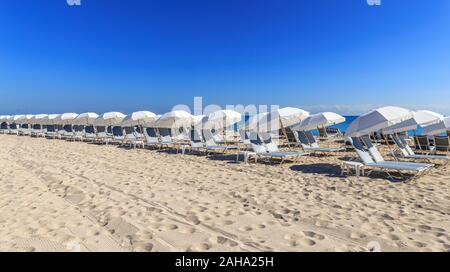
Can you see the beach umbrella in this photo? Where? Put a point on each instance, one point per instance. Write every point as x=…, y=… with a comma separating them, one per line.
x=51, y=119
x=152, y=123
x=221, y=119
x=9, y=118
x=110, y=118
x=263, y=122
x=174, y=119
x=138, y=118
x=377, y=119
x=28, y=118
x=438, y=128
x=420, y=118
x=16, y=118
x=86, y=118
x=66, y=118
x=22, y=119
x=39, y=119
x=289, y=116
x=323, y=119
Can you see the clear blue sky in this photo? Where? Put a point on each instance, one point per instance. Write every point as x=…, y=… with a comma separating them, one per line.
x=128, y=55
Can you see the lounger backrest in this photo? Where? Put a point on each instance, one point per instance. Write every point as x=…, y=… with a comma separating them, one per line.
x=89, y=130
x=400, y=145
x=129, y=131
x=78, y=128
x=373, y=151
x=195, y=138
x=68, y=128
x=291, y=135
x=50, y=128
x=423, y=142
x=406, y=145
x=117, y=131
x=101, y=129
x=257, y=143
x=166, y=134
x=4, y=125
x=442, y=143
x=13, y=126
x=362, y=153
x=311, y=139
x=322, y=132
x=150, y=135
x=303, y=138
x=36, y=126
x=268, y=142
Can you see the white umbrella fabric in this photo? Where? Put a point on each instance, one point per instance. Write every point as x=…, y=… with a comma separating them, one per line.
x=377, y=119
x=86, y=118
x=220, y=119
x=420, y=118
x=110, y=118
x=174, y=119
x=138, y=118
x=438, y=128
x=323, y=119
x=39, y=119
x=66, y=118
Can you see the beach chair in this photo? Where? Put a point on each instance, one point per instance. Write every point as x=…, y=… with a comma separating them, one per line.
x=36, y=130
x=66, y=132
x=291, y=137
x=4, y=128
x=244, y=137
x=89, y=133
x=378, y=158
x=118, y=134
x=195, y=142
x=132, y=137
x=104, y=134
x=406, y=152
x=51, y=132
x=211, y=145
x=78, y=133
x=151, y=137
x=264, y=147
x=423, y=143
x=308, y=143
x=166, y=138
x=13, y=129
x=442, y=143
x=385, y=166
x=24, y=130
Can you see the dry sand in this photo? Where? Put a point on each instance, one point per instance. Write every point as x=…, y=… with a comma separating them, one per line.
x=57, y=195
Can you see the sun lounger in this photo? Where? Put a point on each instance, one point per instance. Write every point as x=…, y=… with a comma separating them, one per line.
x=51, y=132
x=78, y=133
x=13, y=129
x=367, y=159
x=308, y=143
x=118, y=134
x=132, y=137
x=24, y=130
x=4, y=127
x=264, y=147
x=166, y=138
x=423, y=143
x=442, y=143
x=151, y=136
x=406, y=152
x=89, y=133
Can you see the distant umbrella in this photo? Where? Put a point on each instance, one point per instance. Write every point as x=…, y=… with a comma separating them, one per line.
x=438, y=128
x=110, y=118
x=376, y=120
x=323, y=119
x=420, y=118
x=87, y=118
x=138, y=118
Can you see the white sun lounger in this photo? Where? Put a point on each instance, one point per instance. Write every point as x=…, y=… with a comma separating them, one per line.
x=308, y=143
x=264, y=147
x=406, y=151
x=385, y=166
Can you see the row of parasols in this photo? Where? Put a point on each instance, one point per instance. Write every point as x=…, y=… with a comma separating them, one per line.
x=388, y=120
x=267, y=121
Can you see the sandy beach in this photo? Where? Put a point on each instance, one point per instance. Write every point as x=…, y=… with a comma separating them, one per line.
x=57, y=195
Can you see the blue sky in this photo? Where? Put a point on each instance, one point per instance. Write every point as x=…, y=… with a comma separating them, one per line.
x=344, y=56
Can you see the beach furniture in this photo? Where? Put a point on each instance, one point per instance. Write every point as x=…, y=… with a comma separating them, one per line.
x=166, y=138
x=51, y=131
x=66, y=132
x=24, y=130
x=195, y=142
x=133, y=137
x=308, y=143
x=78, y=133
x=4, y=127
x=89, y=133
x=406, y=151
x=367, y=158
x=442, y=143
x=104, y=134
x=264, y=147
x=151, y=136
x=13, y=129
x=215, y=144
x=36, y=130
x=423, y=143
x=118, y=134
x=377, y=157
